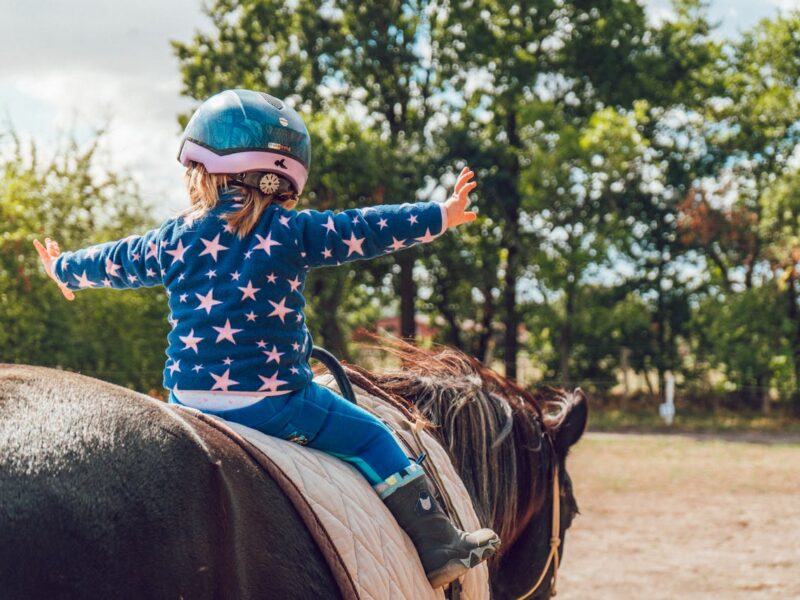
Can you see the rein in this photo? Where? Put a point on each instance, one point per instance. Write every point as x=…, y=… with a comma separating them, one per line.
x=555, y=541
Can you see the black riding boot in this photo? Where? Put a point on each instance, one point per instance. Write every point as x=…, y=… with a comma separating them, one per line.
x=446, y=552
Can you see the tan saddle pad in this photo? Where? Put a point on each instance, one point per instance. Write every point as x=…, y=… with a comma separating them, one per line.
x=351, y=524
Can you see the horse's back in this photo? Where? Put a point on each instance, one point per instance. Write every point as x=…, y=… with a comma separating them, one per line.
x=107, y=493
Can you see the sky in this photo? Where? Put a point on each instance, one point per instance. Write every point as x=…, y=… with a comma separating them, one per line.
x=74, y=67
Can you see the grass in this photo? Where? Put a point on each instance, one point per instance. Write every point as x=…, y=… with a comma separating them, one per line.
x=694, y=421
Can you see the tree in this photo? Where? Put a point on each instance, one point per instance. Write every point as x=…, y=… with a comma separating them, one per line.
x=116, y=336
x=325, y=56
x=741, y=217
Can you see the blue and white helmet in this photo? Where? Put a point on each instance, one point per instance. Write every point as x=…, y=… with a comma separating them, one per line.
x=251, y=135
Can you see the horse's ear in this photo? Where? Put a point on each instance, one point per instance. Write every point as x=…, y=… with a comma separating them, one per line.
x=574, y=423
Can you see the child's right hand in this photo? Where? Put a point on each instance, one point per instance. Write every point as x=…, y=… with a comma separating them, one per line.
x=455, y=206
x=48, y=255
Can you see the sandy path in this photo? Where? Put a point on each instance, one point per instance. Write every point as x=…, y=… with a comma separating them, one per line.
x=667, y=517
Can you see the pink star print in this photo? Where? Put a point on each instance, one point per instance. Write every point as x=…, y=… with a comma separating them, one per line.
x=382, y=223
x=354, y=245
x=412, y=219
x=274, y=355
x=427, y=237
x=284, y=220
x=132, y=278
x=271, y=278
x=251, y=316
x=178, y=252
x=212, y=247
x=235, y=276
x=397, y=244
x=91, y=252
x=223, y=382
x=294, y=283
x=266, y=244
x=152, y=250
x=112, y=268
x=190, y=341
x=207, y=302
x=151, y=273
x=83, y=281
x=261, y=344
x=271, y=383
x=176, y=366
x=106, y=282
x=280, y=310
x=326, y=253
x=249, y=291
x=226, y=333
x=329, y=225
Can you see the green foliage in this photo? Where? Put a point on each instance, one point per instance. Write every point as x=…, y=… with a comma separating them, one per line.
x=745, y=336
x=638, y=187
x=118, y=336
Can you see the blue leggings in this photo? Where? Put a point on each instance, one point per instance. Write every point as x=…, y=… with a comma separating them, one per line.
x=319, y=418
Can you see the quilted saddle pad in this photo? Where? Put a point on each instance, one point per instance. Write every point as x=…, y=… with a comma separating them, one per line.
x=379, y=558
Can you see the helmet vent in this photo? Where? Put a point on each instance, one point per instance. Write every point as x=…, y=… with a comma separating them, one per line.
x=273, y=100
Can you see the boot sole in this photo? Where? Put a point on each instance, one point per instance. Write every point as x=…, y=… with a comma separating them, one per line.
x=455, y=568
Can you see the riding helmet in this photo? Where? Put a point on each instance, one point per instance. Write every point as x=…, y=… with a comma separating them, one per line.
x=254, y=137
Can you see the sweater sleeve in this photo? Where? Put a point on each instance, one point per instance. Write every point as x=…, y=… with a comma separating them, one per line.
x=128, y=263
x=329, y=238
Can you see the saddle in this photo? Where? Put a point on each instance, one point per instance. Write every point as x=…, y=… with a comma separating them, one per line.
x=367, y=552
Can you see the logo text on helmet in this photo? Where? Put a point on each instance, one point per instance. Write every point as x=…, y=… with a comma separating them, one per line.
x=283, y=121
x=280, y=163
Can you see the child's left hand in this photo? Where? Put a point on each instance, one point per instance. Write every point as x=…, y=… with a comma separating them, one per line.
x=456, y=205
x=48, y=255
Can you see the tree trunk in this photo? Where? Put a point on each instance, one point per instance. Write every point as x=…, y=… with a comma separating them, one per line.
x=661, y=318
x=565, y=336
x=624, y=360
x=512, y=231
x=408, y=295
x=329, y=290
x=485, y=335
x=792, y=313
x=511, y=343
x=763, y=395
x=454, y=335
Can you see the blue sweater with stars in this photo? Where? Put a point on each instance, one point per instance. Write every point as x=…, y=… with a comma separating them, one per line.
x=236, y=305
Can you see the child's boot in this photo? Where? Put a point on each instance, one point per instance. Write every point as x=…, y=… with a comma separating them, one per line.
x=445, y=551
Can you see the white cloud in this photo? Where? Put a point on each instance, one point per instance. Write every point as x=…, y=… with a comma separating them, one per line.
x=139, y=118
x=75, y=67
x=786, y=5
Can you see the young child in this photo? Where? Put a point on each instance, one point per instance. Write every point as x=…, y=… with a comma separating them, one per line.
x=234, y=265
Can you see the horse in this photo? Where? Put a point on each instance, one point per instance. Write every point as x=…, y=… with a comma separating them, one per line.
x=105, y=492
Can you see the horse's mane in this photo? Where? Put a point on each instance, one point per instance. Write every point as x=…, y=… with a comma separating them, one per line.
x=494, y=429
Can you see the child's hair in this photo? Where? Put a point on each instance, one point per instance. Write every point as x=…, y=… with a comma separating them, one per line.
x=203, y=188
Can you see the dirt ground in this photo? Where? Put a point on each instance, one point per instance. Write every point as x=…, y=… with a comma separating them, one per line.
x=680, y=517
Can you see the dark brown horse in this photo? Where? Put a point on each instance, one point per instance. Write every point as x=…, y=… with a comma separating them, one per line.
x=107, y=493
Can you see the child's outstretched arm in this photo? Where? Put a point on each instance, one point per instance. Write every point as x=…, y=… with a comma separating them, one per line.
x=329, y=238
x=128, y=263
